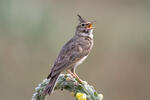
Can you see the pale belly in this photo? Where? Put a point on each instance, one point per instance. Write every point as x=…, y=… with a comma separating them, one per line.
x=80, y=61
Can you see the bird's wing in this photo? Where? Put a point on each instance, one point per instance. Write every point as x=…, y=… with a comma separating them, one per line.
x=72, y=51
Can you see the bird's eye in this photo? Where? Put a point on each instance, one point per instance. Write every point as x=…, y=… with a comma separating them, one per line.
x=83, y=24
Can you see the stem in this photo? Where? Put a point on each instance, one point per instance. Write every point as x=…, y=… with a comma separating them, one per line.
x=67, y=82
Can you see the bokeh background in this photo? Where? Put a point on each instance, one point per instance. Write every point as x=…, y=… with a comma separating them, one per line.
x=32, y=33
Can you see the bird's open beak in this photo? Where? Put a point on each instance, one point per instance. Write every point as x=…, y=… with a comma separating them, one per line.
x=90, y=26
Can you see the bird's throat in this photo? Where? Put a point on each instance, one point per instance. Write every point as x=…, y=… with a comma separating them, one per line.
x=88, y=34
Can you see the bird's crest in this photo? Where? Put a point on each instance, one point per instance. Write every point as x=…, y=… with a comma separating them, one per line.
x=81, y=19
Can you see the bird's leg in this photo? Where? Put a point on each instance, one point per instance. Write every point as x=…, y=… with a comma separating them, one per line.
x=69, y=71
x=75, y=76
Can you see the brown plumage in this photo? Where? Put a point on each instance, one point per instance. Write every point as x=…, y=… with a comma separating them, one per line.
x=72, y=54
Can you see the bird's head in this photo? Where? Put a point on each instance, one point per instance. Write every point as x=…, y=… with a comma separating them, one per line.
x=84, y=28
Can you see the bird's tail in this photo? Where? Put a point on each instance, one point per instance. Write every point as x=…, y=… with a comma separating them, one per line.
x=49, y=88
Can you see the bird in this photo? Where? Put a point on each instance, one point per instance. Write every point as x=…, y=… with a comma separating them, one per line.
x=72, y=54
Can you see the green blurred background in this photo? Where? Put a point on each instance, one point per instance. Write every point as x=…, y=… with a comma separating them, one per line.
x=32, y=33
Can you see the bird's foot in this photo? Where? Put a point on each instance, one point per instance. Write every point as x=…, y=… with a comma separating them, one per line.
x=76, y=77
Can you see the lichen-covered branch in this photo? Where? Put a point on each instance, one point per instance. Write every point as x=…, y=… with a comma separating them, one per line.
x=67, y=82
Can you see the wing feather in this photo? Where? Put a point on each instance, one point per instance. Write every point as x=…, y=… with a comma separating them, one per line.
x=72, y=51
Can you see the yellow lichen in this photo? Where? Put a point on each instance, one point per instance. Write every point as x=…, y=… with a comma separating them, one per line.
x=81, y=96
